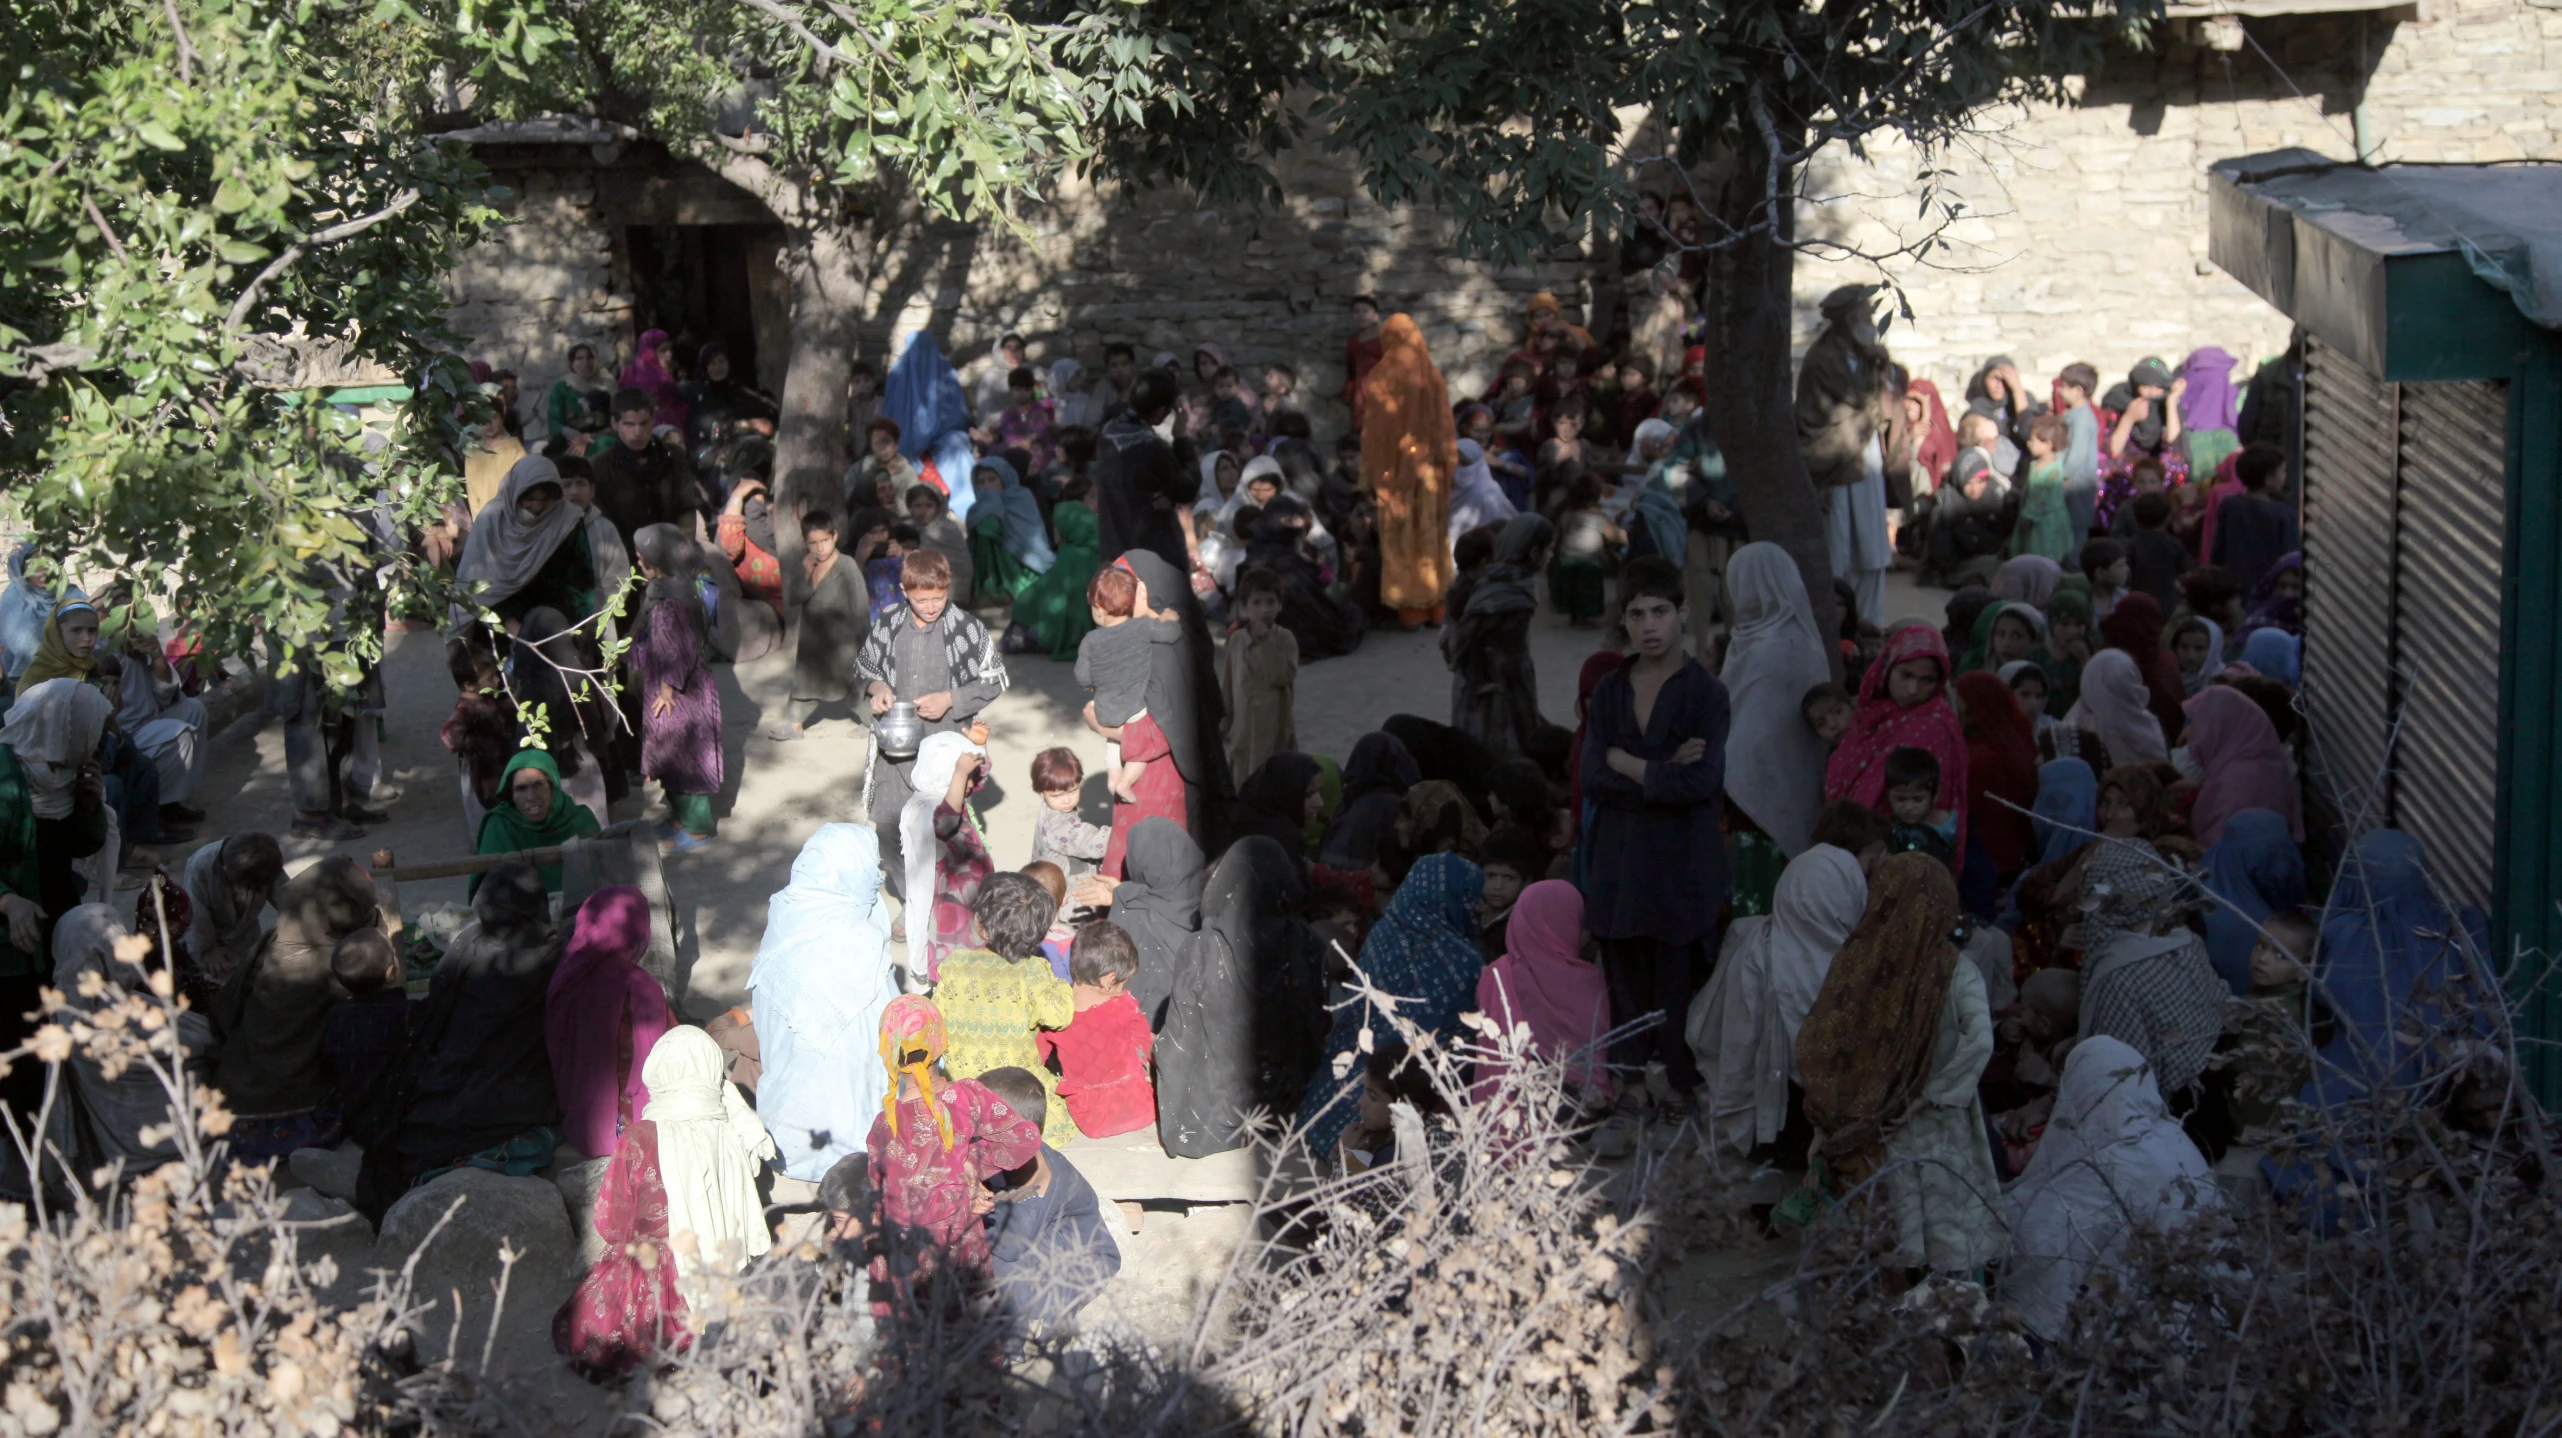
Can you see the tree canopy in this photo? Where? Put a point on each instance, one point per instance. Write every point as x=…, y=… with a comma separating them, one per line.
x=197, y=198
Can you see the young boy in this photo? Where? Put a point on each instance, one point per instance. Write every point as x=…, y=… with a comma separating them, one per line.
x=834, y=618
x=2255, y=528
x=1102, y=1054
x=2155, y=559
x=2073, y=389
x=1654, y=767
x=363, y=1034
x=1259, y=677
x=1512, y=859
x=1827, y=709
x=1046, y=1235
x=1230, y=409
x=2263, y=1056
x=1912, y=789
x=993, y=1001
x=1636, y=399
x=2104, y=564
x=1060, y=834
x=1113, y=663
x=2143, y=477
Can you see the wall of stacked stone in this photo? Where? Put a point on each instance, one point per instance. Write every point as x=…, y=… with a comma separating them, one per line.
x=2084, y=235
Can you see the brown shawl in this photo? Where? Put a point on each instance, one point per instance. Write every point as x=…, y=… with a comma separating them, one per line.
x=1409, y=456
x=1865, y=1050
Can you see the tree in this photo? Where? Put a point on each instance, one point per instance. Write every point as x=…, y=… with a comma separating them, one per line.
x=197, y=197
x=1527, y=123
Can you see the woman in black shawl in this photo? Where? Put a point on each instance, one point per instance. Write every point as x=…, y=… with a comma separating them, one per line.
x=1247, y=1025
x=1157, y=903
x=1494, y=692
x=477, y=1074
x=1375, y=781
x=1275, y=803
x=1277, y=543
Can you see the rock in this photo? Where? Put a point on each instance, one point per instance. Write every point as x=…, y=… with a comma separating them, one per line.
x=331, y=1171
x=337, y=1232
x=525, y=1213
x=578, y=1184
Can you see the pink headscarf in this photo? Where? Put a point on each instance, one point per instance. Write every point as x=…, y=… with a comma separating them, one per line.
x=1543, y=981
x=2232, y=739
x=598, y=988
x=648, y=372
x=1880, y=726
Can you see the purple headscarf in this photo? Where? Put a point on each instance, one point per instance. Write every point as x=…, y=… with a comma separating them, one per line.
x=2209, y=401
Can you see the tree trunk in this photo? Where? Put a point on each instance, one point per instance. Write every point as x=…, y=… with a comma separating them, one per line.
x=1751, y=399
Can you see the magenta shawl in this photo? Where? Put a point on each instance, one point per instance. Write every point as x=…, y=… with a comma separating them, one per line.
x=1542, y=980
x=1880, y=726
x=598, y=988
x=648, y=371
x=2232, y=739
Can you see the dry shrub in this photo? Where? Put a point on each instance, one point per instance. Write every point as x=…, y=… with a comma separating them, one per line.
x=175, y=1301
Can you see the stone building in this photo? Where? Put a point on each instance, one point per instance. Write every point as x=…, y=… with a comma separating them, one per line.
x=2083, y=238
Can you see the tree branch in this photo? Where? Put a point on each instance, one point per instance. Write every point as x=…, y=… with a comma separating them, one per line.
x=100, y=221
x=293, y=254
x=790, y=19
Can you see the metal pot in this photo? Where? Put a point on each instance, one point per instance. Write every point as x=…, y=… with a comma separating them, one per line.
x=899, y=731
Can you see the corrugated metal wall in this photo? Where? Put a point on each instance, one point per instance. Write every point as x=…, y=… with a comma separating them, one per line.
x=2446, y=626
x=2349, y=431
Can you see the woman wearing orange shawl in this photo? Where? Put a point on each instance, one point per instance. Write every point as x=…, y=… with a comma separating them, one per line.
x=1409, y=453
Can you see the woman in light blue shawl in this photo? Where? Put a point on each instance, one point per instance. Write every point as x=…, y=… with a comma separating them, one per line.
x=2254, y=870
x=821, y=979
x=1423, y=952
x=2067, y=808
x=924, y=395
x=2275, y=653
x=1009, y=546
x=1475, y=498
x=24, y=607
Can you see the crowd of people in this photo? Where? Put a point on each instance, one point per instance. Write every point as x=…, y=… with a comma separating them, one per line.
x=1971, y=921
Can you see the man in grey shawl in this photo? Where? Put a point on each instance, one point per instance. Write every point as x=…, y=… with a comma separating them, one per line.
x=1842, y=397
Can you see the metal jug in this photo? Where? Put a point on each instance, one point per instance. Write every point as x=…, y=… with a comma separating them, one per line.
x=899, y=731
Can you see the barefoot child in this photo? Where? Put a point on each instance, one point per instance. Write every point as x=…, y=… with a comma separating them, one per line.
x=1259, y=677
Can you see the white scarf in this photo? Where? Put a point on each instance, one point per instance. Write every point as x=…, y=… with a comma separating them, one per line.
x=56, y=723
x=1774, y=763
x=936, y=758
x=504, y=553
x=2114, y=705
x=1743, y=1027
x=709, y=1146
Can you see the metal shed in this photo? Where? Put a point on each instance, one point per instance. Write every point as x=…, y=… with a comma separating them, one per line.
x=2430, y=301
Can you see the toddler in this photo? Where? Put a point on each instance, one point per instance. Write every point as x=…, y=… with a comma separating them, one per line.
x=993, y=1002
x=1060, y=835
x=1827, y=709
x=1047, y=1240
x=1102, y=1054
x=1912, y=796
x=1114, y=660
x=1062, y=934
x=1585, y=537
x=2045, y=511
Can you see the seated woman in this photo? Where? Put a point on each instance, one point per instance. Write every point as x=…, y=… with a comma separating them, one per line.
x=271, y=1073
x=1423, y=951
x=1009, y=546
x=1050, y=611
x=1743, y=1026
x=476, y=1081
x=601, y=1017
x=2130, y=803
x=167, y=725
x=536, y=814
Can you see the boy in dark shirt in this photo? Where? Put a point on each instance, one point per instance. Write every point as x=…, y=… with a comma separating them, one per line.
x=2155, y=558
x=363, y=1034
x=1511, y=860
x=1654, y=769
x=1918, y=827
x=1052, y=1252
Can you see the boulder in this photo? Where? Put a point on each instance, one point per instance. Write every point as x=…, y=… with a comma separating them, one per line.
x=335, y=1231
x=331, y=1171
x=525, y=1213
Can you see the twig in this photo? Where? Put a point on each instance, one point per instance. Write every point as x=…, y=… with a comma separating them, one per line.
x=293, y=253
x=104, y=229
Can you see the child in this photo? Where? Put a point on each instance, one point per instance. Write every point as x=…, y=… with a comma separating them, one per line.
x=1114, y=661
x=2104, y=564
x=1636, y=397
x=2143, y=479
x=1103, y=1053
x=883, y=559
x=1655, y=870
x=679, y=701
x=1855, y=829
x=2264, y=1058
x=1051, y=1251
x=1280, y=391
x=1512, y=859
x=1060, y=835
x=2073, y=390
x=2066, y=650
x=2055, y=740
x=937, y=530
x=2155, y=559
x=2045, y=513
x=1062, y=935
x=1232, y=410
x=1903, y=702
x=1516, y=407
x=481, y=732
x=364, y=1033
x=1912, y=801
x=1827, y=709
x=992, y=1001
x=834, y=619
x=1259, y=677
x=936, y=1141
x=1585, y=535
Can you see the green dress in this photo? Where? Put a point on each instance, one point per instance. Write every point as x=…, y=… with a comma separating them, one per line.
x=505, y=830
x=1052, y=606
x=2045, y=521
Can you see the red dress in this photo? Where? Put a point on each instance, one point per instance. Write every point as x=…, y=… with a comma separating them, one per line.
x=626, y=1310
x=1103, y=1067
x=925, y=1188
x=1160, y=789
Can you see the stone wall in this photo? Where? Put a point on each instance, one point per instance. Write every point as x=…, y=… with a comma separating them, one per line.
x=2084, y=236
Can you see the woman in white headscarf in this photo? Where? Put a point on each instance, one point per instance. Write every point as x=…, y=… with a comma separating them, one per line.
x=514, y=540
x=2112, y=1159
x=1774, y=763
x=821, y=979
x=2116, y=705
x=1070, y=404
x=946, y=855
x=1475, y=498
x=1743, y=1026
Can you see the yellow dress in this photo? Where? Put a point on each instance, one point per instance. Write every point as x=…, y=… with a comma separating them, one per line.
x=991, y=1009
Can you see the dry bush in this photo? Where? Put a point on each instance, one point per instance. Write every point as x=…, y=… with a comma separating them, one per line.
x=175, y=1301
